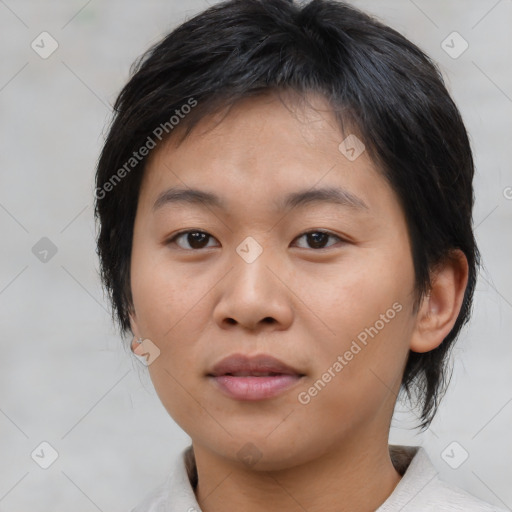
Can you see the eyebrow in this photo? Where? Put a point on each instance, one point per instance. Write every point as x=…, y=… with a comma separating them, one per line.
x=301, y=198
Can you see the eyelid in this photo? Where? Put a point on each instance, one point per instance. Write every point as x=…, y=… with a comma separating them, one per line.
x=324, y=231
x=172, y=240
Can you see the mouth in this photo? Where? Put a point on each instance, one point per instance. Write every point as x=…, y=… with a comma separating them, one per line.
x=253, y=378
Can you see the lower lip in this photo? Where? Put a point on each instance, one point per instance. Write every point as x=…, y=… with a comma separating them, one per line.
x=255, y=388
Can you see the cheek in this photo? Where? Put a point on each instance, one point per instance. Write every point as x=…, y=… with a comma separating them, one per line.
x=355, y=294
x=163, y=296
x=355, y=376
x=365, y=318
x=171, y=308
x=152, y=295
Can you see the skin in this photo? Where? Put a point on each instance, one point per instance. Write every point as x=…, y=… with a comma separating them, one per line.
x=301, y=304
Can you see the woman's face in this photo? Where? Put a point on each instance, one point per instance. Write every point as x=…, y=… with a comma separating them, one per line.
x=323, y=282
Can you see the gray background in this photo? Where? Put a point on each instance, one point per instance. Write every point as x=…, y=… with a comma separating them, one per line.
x=65, y=377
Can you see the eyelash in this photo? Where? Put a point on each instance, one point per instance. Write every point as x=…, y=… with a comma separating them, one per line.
x=181, y=233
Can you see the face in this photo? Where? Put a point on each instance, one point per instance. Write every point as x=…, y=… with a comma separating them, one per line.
x=297, y=253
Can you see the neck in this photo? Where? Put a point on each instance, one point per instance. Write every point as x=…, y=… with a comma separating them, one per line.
x=344, y=479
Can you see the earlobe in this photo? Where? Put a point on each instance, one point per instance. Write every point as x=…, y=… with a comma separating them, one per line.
x=440, y=308
x=135, y=344
x=133, y=325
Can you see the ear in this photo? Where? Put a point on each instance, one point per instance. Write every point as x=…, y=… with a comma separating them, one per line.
x=439, y=310
x=135, y=330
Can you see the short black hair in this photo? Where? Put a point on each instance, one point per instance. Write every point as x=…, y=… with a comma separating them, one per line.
x=376, y=81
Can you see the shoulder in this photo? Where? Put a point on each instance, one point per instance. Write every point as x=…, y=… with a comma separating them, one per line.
x=156, y=501
x=453, y=498
x=421, y=490
x=176, y=493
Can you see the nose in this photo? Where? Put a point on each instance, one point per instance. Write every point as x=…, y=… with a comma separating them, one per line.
x=253, y=297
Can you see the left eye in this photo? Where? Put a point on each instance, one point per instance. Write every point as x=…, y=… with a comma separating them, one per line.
x=318, y=239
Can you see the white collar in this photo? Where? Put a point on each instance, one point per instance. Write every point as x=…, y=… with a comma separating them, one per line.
x=418, y=490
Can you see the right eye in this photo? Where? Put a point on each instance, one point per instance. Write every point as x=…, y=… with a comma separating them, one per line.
x=195, y=239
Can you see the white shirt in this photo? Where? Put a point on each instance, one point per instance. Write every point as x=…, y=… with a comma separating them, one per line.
x=419, y=490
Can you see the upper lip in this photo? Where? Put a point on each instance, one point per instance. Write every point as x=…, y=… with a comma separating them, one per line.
x=241, y=363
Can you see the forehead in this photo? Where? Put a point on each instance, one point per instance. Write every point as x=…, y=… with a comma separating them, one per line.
x=266, y=151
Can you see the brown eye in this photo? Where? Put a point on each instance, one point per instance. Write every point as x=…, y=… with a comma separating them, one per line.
x=318, y=239
x=192, y=239
x=196, y=240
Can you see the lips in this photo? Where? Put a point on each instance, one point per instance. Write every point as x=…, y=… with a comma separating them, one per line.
x=253, y=378
x=240, y=365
